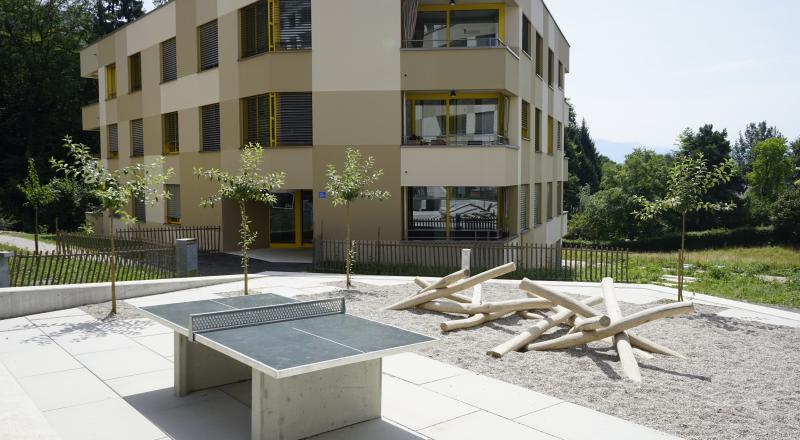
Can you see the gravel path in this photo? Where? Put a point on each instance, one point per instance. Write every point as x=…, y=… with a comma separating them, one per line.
x=24, y=243
x=741, y=379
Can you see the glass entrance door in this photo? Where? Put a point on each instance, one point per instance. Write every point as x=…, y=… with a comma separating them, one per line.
x=291, y=221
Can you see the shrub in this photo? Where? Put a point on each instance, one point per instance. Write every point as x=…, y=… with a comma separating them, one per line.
x=712, y=238
x=786, y=215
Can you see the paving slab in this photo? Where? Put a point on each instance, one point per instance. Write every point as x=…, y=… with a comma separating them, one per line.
x=63, y=313
x=493, y=395
x=49, y=358
x=416, y=407
x=128, y=361
x=143, y=383
x=65, y=389
x=25, y=339
x=20, y=419
x=88, y=338
x=574, y=422
x=163, y=344
x=484, y=425
x=371, y=430
x=418, y=369
x=20, y=323
x=103, y=420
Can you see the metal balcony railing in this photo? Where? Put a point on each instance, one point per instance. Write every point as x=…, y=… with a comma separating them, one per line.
x=457, y=139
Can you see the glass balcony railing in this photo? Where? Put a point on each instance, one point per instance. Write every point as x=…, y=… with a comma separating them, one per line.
x=457, y=139
x=476, y=42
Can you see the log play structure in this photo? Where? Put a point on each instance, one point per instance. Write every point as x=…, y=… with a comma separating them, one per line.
x=547, y=309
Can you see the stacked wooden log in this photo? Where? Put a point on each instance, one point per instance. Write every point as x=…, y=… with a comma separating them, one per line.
x=586, y=324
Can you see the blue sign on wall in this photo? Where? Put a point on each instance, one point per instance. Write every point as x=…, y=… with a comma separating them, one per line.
x=322, y=194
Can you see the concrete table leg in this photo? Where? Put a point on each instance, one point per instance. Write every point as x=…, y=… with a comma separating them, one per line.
x=198, y=367
x=307, y=404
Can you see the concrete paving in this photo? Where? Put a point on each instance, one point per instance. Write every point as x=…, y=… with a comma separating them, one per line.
x=25, y=243
x=65, y=374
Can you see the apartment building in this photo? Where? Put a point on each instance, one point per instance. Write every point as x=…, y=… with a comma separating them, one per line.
x=461, y=103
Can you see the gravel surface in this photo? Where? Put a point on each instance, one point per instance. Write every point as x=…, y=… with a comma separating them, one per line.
x=741, y=379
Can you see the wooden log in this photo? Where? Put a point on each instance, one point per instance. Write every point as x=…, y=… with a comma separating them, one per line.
x=472, y=321
x=455, y=297
x=621, y=341
x=588, y=324
x=477, y=292
x=446, y=280
x=560, y=314
x=586, y=311
x=455, y=287
x=489, y=307
x=634, y=320
x=642, y=354
x=529, y=315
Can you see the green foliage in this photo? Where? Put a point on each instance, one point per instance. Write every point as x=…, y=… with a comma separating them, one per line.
x=86, y=228
x=113, y=14
x=114, y=189
x=743, y=148
x=352, y=184
x=785, y=215
x=771, y=172
x=584, y=162
x=249, y=185
x=36, y=194
x=7, y=221
x=694, y=240
x=72, y=201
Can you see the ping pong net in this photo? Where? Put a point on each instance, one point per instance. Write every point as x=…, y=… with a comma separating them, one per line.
x=247, y=317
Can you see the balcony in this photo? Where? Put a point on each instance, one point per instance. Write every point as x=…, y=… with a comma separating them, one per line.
x=454, y=165
x=90, y=115
x=493, y=67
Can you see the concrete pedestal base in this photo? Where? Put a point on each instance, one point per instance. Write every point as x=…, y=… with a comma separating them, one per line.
x=312, y=403
x=198, y=367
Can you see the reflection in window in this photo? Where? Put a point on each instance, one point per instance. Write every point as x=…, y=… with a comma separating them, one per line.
x=431, y=30
x=456, y=120
x=455, y=213
x=473, y=121
x=428, y=213
x=474, y=28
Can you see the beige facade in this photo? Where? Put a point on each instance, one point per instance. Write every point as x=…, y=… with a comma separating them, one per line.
x=439, y=106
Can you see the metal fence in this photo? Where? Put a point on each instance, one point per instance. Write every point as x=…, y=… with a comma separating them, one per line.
x=67, y=242
x=56, y=267
x=209, y=238
x=433, y=258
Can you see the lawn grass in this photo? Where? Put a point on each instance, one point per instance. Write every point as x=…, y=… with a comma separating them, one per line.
x=729, y=273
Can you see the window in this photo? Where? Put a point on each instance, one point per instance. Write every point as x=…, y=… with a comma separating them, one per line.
x=526, y=35
x=139, y=210
x=169, y=61
x=268, y=28
x=526, y=120
x=278, y=119
x=561, y=75
x=539, y=55
x=549, y=135
x=111, y=81
x=549, y=200
x=537, y=140
x=137, y=138
x=537, y=204
x=560, y=197
x=209, y=127
x=207, y=39
x=135, y=71
x=169, y=133
x=113, y=141
x=550, y=66
x=467, y=119
x=559, y=136
x=524, y=195
x=458, y=26
x=456, y=213
x=173, y=204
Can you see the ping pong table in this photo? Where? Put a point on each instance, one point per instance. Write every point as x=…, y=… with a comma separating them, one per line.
x=313, y=367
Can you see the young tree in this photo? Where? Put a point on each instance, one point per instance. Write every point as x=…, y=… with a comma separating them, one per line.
x=771, y=172
x=744, y=147
x=37, y=196
x=114, y=189
x=352, y=184
x=689, y=181
x=247, y=186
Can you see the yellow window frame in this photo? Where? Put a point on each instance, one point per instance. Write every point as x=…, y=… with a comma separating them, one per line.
x=273, y=28
x=549, y=135
x=447, y=97
x=111, y=81
x=501, y=11
x=169, y=146
x=272, y=117
x=298, y=226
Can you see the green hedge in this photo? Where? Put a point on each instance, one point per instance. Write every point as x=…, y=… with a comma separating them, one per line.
x=710, y=239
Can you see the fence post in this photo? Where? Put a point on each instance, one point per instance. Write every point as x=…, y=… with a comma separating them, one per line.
x=465, y=259
x=185, y=257
x=5, y=270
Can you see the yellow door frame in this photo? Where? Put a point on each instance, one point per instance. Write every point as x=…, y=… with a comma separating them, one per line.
x=298, y=226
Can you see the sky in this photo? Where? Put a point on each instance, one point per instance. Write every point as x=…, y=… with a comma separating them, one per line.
x=641, y=71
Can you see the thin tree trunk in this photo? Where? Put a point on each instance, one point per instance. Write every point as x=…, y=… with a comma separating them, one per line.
x=36, y=230
x=113, y=267
x=348, y=255
x=245, y=240
x=681, y=257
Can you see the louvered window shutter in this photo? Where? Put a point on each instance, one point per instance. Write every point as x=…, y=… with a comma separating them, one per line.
x=294, y=17
x=174, y=202
x=113, y=140
x=137, y=137
x=139, y=210
x=209, y=53
x=210, y=120
x=523, y=206
x=169, y=61
x=293, y=119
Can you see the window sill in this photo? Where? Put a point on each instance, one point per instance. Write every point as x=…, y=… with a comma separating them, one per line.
x=526, y=54
x=201, y=70
x=209, y=151
x=133, y=156
x=538, y=75
x=170, y=153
